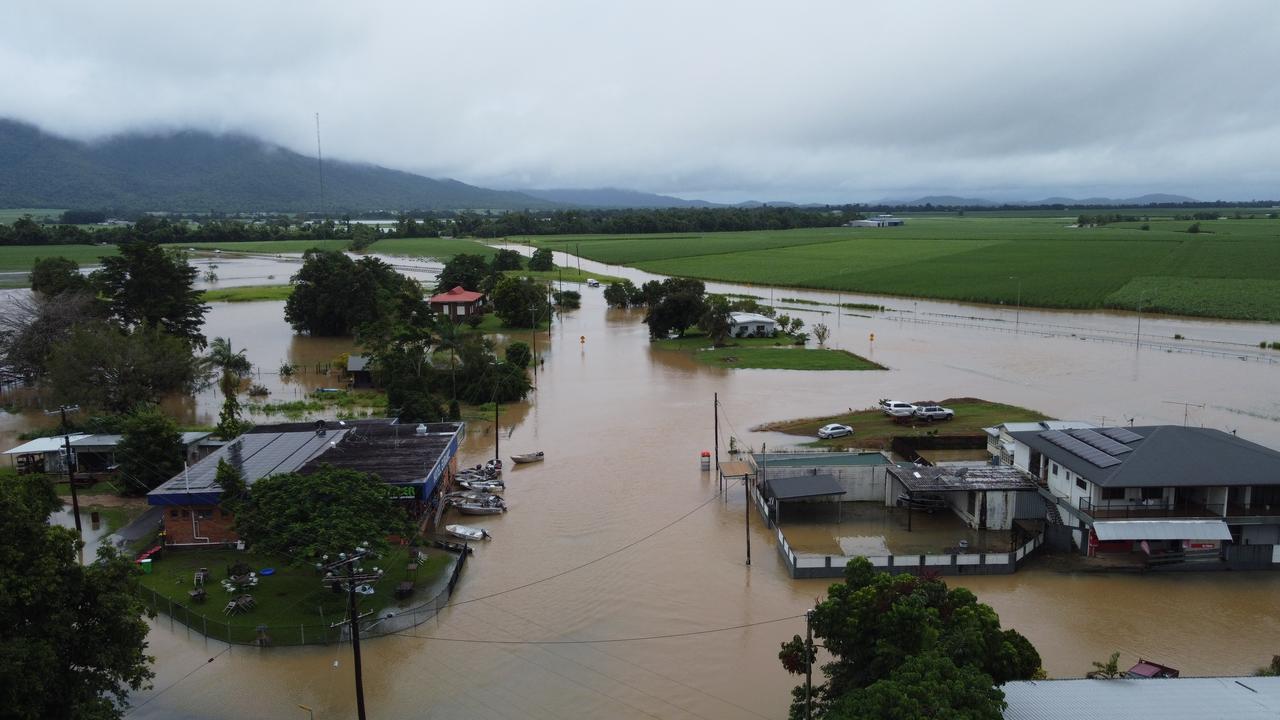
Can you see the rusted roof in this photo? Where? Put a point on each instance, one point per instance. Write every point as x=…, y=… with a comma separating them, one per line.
x=919, y=478
x=457, y=295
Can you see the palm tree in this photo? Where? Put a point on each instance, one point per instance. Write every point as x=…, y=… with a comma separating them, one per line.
x=222, y=357
x=450, y=337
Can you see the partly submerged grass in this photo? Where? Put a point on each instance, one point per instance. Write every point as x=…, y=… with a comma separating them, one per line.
x=251, y=293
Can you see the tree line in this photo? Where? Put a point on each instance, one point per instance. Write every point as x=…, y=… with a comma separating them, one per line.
x=29, y=231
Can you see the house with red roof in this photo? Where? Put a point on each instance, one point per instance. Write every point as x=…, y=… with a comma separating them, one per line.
x=458, y=304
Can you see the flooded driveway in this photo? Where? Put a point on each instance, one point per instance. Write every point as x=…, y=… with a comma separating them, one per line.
x=616, y=588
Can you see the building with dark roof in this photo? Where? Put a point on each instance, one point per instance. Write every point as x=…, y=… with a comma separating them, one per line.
x=415, y=461
x=1175, y=494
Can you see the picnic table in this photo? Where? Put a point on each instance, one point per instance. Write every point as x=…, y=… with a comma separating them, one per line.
x=404, y=589
x=411, y=567
x=198, y=595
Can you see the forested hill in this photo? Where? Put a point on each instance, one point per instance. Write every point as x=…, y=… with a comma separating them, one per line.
x=196, y=172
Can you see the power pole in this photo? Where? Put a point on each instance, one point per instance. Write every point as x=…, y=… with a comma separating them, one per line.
x=71, y=477
x=533, y=310
x=354, y=575
x=717, y=437
x=808, y=664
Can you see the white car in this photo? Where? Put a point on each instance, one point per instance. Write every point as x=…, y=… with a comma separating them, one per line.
x=934, y=412
x=834, y=430
x=592, y=282
x=897, y=408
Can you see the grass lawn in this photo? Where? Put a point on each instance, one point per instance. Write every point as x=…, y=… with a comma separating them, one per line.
x=436, y=248
x=292, y=597
x=794, y=358
x=873, y=429
x=251, y=293
x=21, y=258
x=775, y=353
x=350, y=403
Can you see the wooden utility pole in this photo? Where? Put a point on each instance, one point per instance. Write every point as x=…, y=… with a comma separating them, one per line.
x=719, y=479
x=68, y=461
x=354, y=576
x=808, y=664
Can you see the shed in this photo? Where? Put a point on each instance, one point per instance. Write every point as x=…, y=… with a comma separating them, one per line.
x=799, y=488
x=744, y=324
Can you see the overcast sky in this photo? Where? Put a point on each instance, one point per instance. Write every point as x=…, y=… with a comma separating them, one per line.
x=731, y=100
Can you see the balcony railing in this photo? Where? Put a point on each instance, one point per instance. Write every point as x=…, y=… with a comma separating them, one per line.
x=1153, y=509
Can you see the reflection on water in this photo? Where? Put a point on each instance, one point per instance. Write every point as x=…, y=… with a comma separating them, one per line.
x=617, y=534
x=867, y=528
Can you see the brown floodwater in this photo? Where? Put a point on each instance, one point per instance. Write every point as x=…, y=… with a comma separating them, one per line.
x=617, y=537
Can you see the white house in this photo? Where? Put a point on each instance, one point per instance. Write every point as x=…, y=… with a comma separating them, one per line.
x=877, y=221
x=743, y=324
x=1167, y=491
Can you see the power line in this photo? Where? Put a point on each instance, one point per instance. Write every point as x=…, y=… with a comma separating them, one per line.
x=638, y=638
x=170, y=686
x=607, y=555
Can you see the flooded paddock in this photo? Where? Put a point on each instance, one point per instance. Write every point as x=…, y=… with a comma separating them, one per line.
x=616, y=586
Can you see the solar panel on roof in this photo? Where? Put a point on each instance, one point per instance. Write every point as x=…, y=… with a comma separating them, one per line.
x=1120, y=434
x=1079, y=449
x=1103, y=443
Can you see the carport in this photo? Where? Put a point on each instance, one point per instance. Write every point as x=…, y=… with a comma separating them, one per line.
x=801, y=488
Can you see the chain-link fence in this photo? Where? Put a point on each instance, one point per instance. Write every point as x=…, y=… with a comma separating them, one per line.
x=242, y=630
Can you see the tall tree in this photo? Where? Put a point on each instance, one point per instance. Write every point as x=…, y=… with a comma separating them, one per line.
x=326, y=512
x=72, y=638
x=54, y=276
x=874, y=624
x=543, y=259
x=463, y=269
x=150, y=449
x=715, y=320
x=519, y=301
x=99, y=366
x=333, y=295
x=146, y=286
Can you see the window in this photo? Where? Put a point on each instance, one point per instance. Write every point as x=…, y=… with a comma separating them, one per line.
x=973, y=502
x=1055, y=468
x=1080, y=483
x=204, y=514
x=1112, y=493
x=186, y=513
x=1152, y=493
x=173, y=513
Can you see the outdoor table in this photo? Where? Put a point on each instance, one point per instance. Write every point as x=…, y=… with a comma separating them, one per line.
x=198, y=595
x=404, y=589
x=411, y=567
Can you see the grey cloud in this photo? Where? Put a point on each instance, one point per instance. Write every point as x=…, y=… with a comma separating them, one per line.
x=827, y=101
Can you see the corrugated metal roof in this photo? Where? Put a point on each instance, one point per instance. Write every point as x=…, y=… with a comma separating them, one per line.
x=42, y=445
x=1239, y=698
x=1161, y=530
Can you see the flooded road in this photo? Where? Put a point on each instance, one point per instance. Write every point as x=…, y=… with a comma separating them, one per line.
x=616, y=585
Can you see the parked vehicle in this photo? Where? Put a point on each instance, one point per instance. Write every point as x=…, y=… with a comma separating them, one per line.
x=834, y=430
x=897, y=408
x=592, y=282
x=934, y=412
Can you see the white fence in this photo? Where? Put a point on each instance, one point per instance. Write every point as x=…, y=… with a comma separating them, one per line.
x=811, y=566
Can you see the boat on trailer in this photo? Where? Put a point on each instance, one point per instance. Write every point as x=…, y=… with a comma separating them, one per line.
x=467, y=532
x=532, y=457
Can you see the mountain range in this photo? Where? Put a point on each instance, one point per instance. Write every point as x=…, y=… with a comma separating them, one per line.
x=196, y=172
x=955, y=201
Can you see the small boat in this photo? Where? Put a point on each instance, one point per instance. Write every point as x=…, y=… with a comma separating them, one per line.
x=527, y=458
x=467, y=532
x=493, y=486
x=473, y=508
